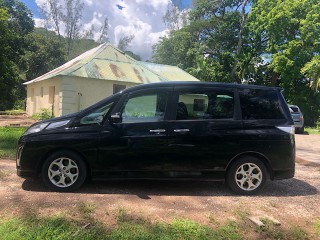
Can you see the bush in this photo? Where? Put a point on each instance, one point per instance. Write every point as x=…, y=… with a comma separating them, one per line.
x=43, y=115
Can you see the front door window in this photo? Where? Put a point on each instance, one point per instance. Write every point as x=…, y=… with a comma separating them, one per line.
x=145, y=108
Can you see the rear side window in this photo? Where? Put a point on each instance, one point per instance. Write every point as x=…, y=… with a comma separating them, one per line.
x=260, y=104
x=205, y=105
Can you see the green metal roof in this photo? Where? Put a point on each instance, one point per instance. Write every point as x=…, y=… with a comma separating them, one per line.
x=109, y=63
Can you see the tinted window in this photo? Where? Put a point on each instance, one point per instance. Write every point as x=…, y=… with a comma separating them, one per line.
x=294, y=109
x=205, y=105
x=260, y=104
x=145, y=108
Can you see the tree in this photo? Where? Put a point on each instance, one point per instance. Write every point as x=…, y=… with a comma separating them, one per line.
x=52, y=10
x=216, y=40
x=221, y=27
x=124, y=42
x=175, y=18
x=312, y=70
x=176, y=49
x=104, y=31
x=45, y=52
x=67, y=15
x=15, y=24
x=133, y=55
x=289, y=33
x=8, y=76
x=71, y=19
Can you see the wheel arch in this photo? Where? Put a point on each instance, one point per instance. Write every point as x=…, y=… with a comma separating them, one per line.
x=52, y=151
x=257, y=155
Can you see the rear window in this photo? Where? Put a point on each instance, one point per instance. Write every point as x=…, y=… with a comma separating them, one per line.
x=260, y=104
x=294, y=110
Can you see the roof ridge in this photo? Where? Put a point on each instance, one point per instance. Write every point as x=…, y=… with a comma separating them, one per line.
x=140, y=63
x=100, y=48
x=67, y=63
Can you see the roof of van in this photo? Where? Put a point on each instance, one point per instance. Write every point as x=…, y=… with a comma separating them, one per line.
x=200, y=84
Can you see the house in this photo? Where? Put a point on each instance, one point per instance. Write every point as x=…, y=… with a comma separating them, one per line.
x=92, y=76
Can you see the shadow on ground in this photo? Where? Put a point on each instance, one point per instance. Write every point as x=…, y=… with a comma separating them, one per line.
x=146, y=188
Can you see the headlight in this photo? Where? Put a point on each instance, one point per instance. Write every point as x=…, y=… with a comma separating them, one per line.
x=57, y=124
x=48, y=125
x=36, y=128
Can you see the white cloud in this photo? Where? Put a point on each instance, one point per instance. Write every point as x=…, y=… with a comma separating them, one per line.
x=156, y=4
x=39, y=23
x=88, y=2
x=142, y=18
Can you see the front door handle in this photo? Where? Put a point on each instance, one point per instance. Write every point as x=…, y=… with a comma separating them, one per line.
x=157, y=130
x=181, y=130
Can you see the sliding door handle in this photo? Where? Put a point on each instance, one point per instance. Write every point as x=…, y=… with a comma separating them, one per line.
x=157, y=130
x=181, y=130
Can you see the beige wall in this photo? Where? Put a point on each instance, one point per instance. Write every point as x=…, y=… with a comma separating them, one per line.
x=78, y=93
x=39, y=96
x=72, y=94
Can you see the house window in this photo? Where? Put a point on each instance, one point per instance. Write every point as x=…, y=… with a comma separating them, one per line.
x=41, y=91
x=32, y=94
x=118, y=88
x=198, y=104
x=52, y=90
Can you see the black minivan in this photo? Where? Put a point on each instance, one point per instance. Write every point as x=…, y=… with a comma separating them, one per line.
x=242, y=134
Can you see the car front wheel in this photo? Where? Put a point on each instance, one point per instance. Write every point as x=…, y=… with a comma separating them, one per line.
x=64, y=171
x=247, y=176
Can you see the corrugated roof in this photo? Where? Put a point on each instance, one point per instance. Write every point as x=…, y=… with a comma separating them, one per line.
x=109, y=63
x=170, y=72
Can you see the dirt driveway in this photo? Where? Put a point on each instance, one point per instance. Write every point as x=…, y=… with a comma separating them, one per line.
x=292, y=202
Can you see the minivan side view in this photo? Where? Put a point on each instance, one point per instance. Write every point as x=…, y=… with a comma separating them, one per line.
x=240, y=134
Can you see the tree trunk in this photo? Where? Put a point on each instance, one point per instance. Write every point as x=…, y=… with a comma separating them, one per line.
x=274, y=79
x=239, y=46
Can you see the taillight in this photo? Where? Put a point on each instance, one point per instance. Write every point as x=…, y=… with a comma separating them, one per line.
x=301, y=118
x=287, y=129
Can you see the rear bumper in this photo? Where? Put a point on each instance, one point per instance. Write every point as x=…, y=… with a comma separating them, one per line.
x=298, y=125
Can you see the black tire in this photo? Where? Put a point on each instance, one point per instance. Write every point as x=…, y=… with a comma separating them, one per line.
x=64, y=171
x=301, y=130
x=246, y=176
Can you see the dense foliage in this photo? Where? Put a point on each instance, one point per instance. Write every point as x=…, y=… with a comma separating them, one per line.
x=15, y=24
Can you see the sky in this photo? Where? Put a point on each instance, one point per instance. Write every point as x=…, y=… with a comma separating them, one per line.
x=141, y=18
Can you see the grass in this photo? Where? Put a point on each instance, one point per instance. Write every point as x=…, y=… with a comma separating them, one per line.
x=30, y=225
x=8, y=140
x=12, y=112
x=60, y=227
x=317, y=227
x=86, y=209
x=312, y=130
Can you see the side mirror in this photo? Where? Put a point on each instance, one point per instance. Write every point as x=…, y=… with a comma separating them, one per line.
x=116, y=118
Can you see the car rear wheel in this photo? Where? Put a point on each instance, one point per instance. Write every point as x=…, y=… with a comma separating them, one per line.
x=301, y=130
x=64, y=171
x=247, y=176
